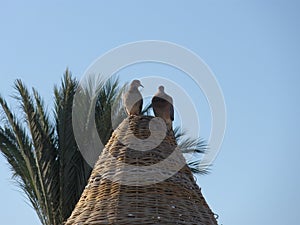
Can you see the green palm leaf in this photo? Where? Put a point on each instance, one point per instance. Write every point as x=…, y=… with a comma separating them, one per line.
x=73, y=170
x=193, y=146
x=17, y=147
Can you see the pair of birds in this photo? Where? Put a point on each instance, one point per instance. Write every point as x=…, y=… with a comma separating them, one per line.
x=162, y=103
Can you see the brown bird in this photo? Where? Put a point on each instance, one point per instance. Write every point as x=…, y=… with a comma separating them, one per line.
x=162, y=105
x=132, y=99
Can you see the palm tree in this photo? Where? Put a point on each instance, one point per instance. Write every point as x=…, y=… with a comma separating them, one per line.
x=43, y=154
x=42, y=151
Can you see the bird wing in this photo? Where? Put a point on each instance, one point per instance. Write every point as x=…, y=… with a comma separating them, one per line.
x=171, y=111
x=163, y=108
x=157, y=105
x=133, y=102
x=141, y=105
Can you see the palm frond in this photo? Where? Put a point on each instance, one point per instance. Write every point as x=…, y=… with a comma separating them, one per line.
x=73, y=170
x=103, y=114
x=47, y=156
x=16, y=146
x=118, y=111
x=44, y=150
x=197, y=168
x=192, y=146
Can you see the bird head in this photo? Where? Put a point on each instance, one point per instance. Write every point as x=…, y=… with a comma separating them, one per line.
x=136, y=83
x=161, y=88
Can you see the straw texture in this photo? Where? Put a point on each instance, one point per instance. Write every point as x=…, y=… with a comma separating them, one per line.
x=107, y=199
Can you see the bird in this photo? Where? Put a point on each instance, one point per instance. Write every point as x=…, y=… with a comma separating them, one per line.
x=162, y=105
x=132, y=99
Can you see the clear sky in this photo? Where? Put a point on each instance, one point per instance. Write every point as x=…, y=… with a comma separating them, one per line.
x=251, y=46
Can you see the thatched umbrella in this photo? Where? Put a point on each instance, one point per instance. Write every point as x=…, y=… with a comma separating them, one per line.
x=122, y=188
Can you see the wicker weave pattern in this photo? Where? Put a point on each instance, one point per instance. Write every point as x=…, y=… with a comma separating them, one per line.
x=177, y=200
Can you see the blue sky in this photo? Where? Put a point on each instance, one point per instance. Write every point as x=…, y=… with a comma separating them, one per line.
x=251, y=46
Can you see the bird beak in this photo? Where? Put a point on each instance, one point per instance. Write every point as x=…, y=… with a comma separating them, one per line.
x=141, y=86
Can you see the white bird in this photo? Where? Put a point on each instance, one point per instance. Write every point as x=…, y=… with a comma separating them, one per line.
x=162, y=105
x=132, y=99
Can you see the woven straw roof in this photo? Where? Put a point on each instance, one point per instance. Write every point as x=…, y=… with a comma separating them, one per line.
x=108, y=199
